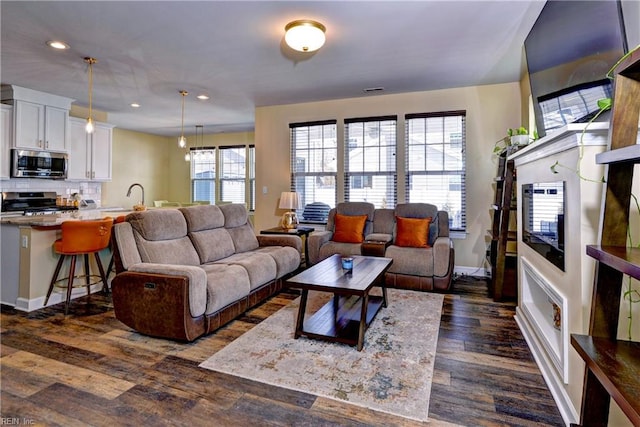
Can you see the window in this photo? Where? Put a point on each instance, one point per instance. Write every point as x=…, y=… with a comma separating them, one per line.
x=224, y=178
x=233, y=173
x=314, y=161
x=370, y=161
x=435, y=162
x=203, y=174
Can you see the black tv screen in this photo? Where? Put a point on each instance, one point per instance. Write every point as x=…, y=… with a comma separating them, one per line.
x=569, y=51
x=543, y=220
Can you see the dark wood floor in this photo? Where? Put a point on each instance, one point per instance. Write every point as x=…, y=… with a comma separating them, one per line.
x=89, y=369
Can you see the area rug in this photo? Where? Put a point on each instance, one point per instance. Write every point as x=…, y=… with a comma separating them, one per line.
x=392, y=373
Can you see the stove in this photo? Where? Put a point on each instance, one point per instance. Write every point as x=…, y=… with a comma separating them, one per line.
x=31, y=203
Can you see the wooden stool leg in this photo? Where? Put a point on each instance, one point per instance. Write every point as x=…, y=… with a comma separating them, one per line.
x=103, y=276
x=54, y=279
x=72, y=270
x=87, y=274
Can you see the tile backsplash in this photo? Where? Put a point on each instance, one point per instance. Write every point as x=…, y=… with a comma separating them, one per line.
x=88, y=190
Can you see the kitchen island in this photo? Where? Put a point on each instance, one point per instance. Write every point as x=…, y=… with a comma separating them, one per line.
x=28, y=259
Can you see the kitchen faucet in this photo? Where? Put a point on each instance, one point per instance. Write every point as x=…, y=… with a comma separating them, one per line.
x=141, y=188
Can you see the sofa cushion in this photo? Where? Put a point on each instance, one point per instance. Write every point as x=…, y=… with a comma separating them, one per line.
x=235, y=215
x=226, y=284
x=349, y=228
x=158, y=224
x=176, y=251
x=287, y=258
x=411, y=261
x=412, y=232
x=260, y=267
x=161, y=237
x=203, y=217
x=332, y=248
x=212, y=245
x=244, y=239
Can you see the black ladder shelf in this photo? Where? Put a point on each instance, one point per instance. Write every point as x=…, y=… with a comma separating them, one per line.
x=613, y=366
x=502, y=256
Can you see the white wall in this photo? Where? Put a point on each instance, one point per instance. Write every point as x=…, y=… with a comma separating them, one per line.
x=490, y=111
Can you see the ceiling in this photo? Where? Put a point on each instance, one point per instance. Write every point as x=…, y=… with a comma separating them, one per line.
x=148, y=51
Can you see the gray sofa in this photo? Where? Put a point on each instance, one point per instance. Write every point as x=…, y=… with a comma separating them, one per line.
x=182, y=273
x=424, y=269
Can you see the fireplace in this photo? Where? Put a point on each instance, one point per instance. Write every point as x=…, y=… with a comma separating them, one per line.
x=544, y=308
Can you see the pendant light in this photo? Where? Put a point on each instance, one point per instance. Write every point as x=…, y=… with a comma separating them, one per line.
x=182, y=141
x=89, y=60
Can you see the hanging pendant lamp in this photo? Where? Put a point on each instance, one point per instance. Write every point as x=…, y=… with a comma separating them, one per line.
x=89, y=126
x=182, y=141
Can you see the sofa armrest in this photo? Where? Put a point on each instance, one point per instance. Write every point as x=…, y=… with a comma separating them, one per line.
x=379, y=237
x=195, y=275
x=280, y=240
x=441, y=254
x=315, y=242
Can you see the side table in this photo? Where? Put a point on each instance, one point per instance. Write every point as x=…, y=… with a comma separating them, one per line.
x=374, y=247
x=300, y=231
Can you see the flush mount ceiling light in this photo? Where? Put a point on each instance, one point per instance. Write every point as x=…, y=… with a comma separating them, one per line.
x=304, y=35
x=203, y=97
x=90, y=61
x=182, y=141
x=57, y=44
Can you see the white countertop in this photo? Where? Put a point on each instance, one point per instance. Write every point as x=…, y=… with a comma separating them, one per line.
x=58, y=218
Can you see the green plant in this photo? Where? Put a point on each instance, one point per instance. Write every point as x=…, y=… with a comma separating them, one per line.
x=505, y=142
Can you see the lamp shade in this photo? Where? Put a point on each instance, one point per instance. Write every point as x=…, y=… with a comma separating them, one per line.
x=304, y=35
x=289, y=200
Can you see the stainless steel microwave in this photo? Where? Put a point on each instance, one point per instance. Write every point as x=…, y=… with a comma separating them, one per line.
x=38, y=164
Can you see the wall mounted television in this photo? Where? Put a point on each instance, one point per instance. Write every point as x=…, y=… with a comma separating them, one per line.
x=569, y=50
x=543, y=219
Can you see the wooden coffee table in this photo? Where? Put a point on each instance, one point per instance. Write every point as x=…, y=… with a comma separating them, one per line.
x=352, y=309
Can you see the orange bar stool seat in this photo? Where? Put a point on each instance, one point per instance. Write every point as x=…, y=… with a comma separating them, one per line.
x=81, y=238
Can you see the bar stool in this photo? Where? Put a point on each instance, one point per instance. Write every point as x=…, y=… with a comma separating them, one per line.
x=81, y=238
x=112, y=243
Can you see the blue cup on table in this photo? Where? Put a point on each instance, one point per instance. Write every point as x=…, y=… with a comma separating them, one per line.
x=347, y=264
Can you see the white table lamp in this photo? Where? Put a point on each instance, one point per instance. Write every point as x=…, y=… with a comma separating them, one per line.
x=290, y=201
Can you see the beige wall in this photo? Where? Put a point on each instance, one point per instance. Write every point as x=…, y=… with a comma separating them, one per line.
x=137, y=158
x=490, y=111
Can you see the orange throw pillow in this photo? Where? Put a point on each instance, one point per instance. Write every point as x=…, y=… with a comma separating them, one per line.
x=412, y=232
x=349, y=228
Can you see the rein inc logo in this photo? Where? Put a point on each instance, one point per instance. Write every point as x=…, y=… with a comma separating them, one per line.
x=16, y=421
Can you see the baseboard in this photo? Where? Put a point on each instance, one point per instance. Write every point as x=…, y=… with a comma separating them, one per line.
x=555, y=384
x=469, y=271
x=25, y=304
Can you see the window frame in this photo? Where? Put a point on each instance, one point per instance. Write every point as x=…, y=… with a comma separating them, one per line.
x=457, y=222
x=374, y=160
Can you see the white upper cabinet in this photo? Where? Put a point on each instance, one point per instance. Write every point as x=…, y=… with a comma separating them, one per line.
x=6, y=134
x=89, y=154
x=41, y=120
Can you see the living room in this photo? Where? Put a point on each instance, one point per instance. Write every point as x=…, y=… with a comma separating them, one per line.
x=157, y=162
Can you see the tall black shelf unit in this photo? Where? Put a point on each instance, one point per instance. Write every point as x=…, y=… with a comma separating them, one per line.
x=613, y=366
x=502, y=256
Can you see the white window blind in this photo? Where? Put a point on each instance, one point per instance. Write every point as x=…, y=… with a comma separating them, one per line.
x=370, y=161
x=435, y=163
x=233, y=173
x=203, y=174
x=314, y=161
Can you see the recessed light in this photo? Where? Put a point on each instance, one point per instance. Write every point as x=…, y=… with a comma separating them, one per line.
x=203, y=97
x=135, y=105
x=57, y=44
